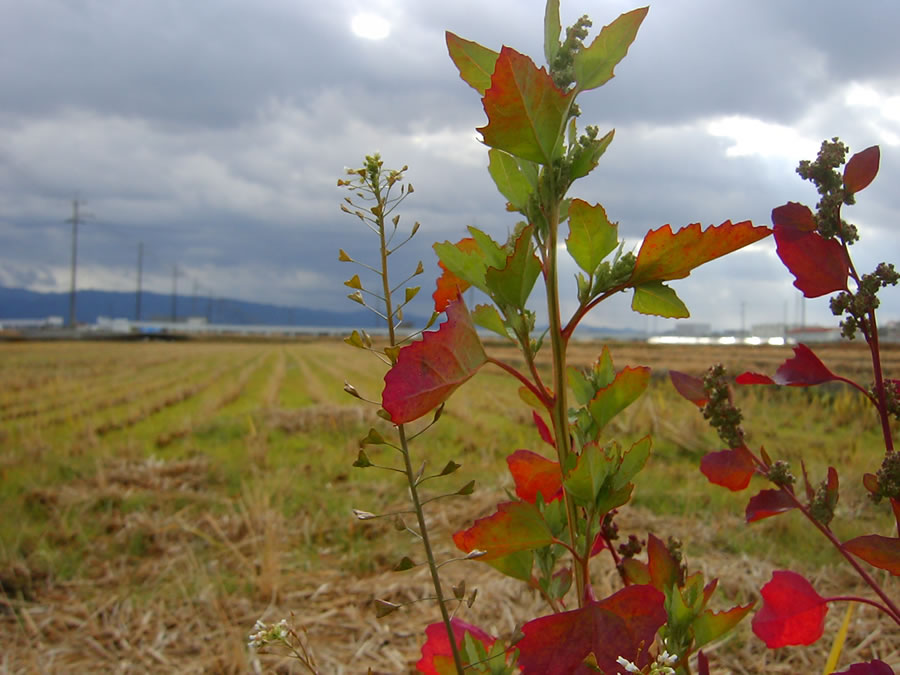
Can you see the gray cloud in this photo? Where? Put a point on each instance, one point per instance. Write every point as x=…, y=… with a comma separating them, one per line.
x=214, y=133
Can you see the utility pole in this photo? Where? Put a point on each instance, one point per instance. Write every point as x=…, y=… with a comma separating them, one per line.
x=76, y=218
x=140, y=269
x=174, y=292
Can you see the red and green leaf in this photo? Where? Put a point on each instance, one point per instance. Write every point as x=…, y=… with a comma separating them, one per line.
x=792, y=612
x=543, y=429
x=437, y=654
x=768, y=503
x=664, y=568
x=709, y=625
x=516, y=526
x=689, y=387
x=878, y=551
x=533, y=474
x=450, y=286
x=474, y=62
x=820, y=266
x=526, y=111
x=624, y=390
x=429, y=371
x=591, y=236
x=623, y=624
x=594, y=65
x=731, y=469
x=861, y=169
x=665, y=255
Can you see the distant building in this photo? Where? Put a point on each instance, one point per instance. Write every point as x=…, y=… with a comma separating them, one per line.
x=691, y=329
x=814, y=334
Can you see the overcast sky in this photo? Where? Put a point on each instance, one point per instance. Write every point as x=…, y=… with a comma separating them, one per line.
x=214, y=132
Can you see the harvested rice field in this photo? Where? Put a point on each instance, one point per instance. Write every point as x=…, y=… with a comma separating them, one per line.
x=157, y=499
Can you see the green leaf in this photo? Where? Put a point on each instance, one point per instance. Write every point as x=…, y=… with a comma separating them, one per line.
x=515, y=565
x=656, y=298
x=411, y=292
x=508, y=177
x=489, y=318
x=494, y=254
x=587, y=157
x=629, y=384
x=474, y=62
x=603, y=372
x=586, y=480
x=591, y=236
x=633, y=461
x=462, y=263
x=709, y=625
x=581, y=388
x=526, y=111
x=511, y=284
x=405, y=563
x=594, y=65
x=610, y=499
x=552, y=29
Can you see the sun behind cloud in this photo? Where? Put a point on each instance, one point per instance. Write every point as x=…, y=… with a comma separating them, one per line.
x=370, y=26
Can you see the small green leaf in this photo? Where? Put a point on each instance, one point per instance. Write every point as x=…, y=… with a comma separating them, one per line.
x=372, y=438
x=587, y=157
x=709, y=625
x=633, y=461
x=451, y=467
x=355, y=340
x=603, y=372
x=591, y=236
x=466, y=489
x=357, y=297
x=474, y=62
x=586, y=480
x=581, y=388
x=405, y=564
x=489, y=318
x=509, y=179
x=655, y=298
x=512, y=283
x=594, y=65
x=383, y=608
x=411, y=292
x=494, y=254
x=354, y=282
x=552, y=28
x=362, y=460
x=629, y=384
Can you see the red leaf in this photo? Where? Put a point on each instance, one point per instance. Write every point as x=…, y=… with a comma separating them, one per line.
x=732, y=469
x=428, y=371
x=624, y=624
x=543, y=429
x=516, y=526
x=878, y=551
x=792, y=612
x=768, y=503
x=437, y=655
x=794, y=216
x=861, y=169
x=526, y=111
x=450, y=286
x=819, y=265
x=665, y=255
x=753, y=378
x=690, y=387
x=875, y=667
x=804, y=369
x=702, y=663
x=532, y=474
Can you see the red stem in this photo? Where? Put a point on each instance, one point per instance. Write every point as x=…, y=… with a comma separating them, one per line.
x=541, y=396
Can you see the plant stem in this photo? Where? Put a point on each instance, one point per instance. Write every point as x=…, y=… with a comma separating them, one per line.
x=871, y=336
x=404, y=445
x=559, y=411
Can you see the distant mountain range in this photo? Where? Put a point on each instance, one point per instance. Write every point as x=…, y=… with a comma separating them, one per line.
x=18, y=303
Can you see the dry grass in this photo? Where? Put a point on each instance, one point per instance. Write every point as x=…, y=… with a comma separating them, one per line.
x=148, y=562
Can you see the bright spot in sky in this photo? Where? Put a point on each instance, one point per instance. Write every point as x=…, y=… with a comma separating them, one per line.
x=370, y=26
x=751, y=136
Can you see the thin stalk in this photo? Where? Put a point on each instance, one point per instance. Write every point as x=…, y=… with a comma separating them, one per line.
x=410, y=471
x=559, y=412
x=872, y=338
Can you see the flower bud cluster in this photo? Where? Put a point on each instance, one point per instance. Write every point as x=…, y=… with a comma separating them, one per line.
x=830, y=184
x=858, y=305
x=780, y=474
x=888, y=478
x=720, y=410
